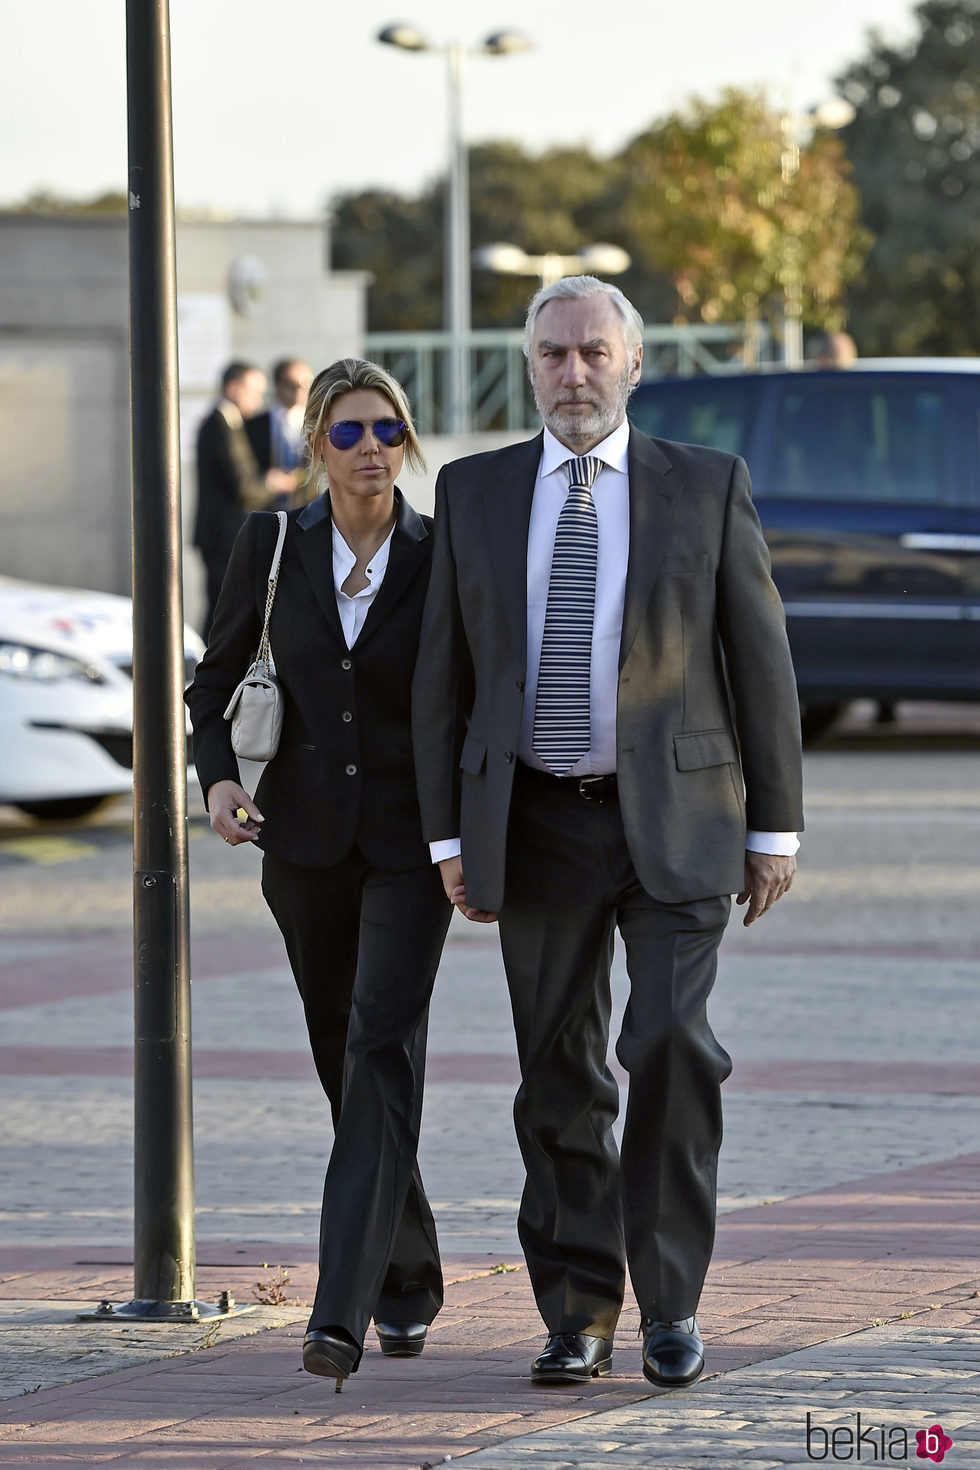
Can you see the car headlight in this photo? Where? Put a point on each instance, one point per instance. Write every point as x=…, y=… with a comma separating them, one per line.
x=18, y=661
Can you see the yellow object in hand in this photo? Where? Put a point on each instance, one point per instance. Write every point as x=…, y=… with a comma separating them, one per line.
x=241, y=815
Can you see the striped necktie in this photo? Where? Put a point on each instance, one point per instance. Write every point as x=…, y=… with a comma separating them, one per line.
x=562, y=731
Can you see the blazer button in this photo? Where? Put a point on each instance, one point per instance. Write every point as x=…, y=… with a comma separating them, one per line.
x=347, y=717
x=508, y=756
x=345, y=663
x=351, y=770
x=520, y=685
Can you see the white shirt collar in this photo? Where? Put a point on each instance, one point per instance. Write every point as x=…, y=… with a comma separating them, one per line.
x=344, y=560
x=613, y=450
x=293, y=417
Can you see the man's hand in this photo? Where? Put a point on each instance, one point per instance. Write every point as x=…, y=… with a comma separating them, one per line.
x=280, y=482
x=225, y=799
x=452, y=880
x=767, y=877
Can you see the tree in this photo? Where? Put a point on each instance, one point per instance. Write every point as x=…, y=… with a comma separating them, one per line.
x=398, y=241
x=44, y=201
x=716, y=200
x=915, y=149
x=534, y=201
x=698, y=200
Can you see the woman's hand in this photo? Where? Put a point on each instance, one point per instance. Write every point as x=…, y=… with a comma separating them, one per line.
x=225, y=800
x=452, y=880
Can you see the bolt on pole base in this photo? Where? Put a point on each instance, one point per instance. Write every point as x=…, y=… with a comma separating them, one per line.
x=141, y=1310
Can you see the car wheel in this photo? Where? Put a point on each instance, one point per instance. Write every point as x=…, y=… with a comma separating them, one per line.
x=817, y=720
x=63, y=808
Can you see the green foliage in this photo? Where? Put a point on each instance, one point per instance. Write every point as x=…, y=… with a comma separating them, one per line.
x=915, y=149
x=540, y=202
x=43, y=201
x=698, y=200
x=399, y=241
x=716, y=200
x=534, y=201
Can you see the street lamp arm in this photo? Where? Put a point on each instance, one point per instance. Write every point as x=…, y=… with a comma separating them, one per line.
x=407, y=38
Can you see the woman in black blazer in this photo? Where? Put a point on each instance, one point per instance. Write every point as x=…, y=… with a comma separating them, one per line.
x=345, y=871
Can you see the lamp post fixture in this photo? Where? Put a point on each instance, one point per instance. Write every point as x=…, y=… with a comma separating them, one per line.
x=592, y=260
x=457, y=218
x=834, y=113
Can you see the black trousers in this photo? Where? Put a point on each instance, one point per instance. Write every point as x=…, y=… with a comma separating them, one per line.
x=364, y=946
x=585, y=1213
x=215, y=565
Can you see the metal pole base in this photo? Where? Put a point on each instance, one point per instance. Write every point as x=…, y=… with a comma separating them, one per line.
x=165, y=1312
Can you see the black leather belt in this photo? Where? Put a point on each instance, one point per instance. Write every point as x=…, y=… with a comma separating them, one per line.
x=589, y=788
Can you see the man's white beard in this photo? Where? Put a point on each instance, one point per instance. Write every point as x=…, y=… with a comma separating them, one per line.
x=598, y=425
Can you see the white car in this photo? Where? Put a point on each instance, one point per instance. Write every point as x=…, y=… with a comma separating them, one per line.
x=66, y=697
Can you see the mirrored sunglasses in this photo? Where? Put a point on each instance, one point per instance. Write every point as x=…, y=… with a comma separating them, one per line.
x=346, y=433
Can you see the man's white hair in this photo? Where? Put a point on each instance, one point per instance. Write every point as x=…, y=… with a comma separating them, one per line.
x=580, y=288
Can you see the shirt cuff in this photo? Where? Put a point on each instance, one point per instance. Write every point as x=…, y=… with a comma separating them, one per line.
x=448, y=847
x=776, y=844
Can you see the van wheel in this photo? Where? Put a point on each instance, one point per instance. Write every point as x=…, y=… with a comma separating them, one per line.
x=63, y=808
x=817, y=720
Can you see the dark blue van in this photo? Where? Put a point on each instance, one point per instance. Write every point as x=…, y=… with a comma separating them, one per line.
x=867, y=483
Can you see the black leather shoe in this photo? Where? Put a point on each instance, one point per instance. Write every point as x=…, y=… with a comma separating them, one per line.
x=330, y=1355
x=673, y=1353
x=572, y=1357
x=401, y=1340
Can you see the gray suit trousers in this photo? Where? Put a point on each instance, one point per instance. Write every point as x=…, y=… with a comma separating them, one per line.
x=585, y=1215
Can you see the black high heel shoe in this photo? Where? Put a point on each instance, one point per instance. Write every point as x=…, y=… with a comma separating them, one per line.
x=330, y=1356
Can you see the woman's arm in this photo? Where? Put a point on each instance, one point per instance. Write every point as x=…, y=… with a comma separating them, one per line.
x=232, y=645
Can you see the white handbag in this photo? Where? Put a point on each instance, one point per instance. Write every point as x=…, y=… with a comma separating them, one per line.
x=255, y=708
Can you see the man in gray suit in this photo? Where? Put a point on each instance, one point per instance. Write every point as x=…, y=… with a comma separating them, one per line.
x=604, y=704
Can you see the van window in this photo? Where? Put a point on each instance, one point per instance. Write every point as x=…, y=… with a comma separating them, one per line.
x=857, y=440
x=711, y=411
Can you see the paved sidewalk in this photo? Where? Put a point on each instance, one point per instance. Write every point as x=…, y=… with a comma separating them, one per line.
x=843, y=1302
x=861, y=1299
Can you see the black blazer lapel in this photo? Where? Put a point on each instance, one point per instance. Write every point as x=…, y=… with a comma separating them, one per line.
x=408, y=552
x=315, y=548
x=654, y=491
x=507, y=497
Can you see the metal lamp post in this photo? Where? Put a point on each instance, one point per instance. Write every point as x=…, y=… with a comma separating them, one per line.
x=835, y=113
x=163, y=1260
x=457, y=220
x=592, y=260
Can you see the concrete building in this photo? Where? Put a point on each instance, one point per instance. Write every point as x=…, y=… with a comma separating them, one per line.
x=252, y=289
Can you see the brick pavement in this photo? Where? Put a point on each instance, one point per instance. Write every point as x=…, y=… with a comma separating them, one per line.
x=852, y=1110
x=898, y=1250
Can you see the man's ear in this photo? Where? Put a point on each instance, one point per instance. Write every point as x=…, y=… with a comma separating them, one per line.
x=637, y=364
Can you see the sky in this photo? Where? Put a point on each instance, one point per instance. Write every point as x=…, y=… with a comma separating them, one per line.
x=280, y=107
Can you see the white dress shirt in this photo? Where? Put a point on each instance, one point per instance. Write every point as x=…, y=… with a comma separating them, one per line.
x=353, y=610
x=286, y=434
x=610, y=493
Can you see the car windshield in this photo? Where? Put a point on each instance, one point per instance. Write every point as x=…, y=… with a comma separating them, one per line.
x=856, y=439
x=711, y=411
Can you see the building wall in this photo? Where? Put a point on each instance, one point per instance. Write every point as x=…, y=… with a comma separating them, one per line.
x=65, y=473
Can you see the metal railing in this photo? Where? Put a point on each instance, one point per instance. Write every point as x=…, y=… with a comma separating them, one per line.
x=500, y=396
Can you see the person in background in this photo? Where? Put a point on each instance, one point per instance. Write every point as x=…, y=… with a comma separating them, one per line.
x=230, y=483
x=832, y=350
x=344, y=868
x=276, y=434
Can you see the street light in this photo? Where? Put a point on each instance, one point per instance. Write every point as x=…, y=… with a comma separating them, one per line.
x=591, y=260
x=457, y=229
x=834, y=113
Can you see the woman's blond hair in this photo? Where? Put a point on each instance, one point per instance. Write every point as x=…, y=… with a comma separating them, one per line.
x=354, y=375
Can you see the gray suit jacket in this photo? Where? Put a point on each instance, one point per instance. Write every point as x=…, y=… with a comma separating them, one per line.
x=707, y=718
